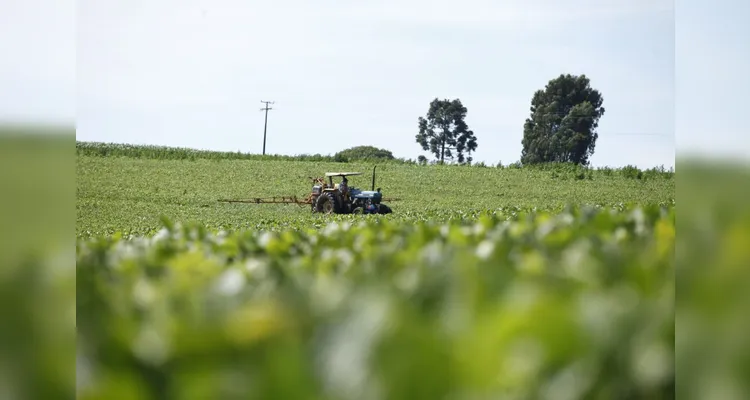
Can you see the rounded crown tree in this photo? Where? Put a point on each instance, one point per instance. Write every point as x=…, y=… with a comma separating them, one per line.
x=563, y=122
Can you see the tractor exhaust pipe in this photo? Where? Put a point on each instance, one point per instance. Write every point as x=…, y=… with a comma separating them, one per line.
x=373, y=177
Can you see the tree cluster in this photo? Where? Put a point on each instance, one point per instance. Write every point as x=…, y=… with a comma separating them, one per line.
x=561, y=127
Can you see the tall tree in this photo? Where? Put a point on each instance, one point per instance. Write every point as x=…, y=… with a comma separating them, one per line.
x=444, y=131
x=563, y=122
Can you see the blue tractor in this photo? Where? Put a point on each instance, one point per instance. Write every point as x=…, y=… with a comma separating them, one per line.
x=339, y=198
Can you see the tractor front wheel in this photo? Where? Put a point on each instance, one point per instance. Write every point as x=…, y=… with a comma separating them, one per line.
x=384, y=209
x=325, y=204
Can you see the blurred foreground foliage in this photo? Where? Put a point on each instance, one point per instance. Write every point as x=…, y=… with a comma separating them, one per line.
x=186, y=330
x=37, y=274
x=575, y=304
x=713, y=274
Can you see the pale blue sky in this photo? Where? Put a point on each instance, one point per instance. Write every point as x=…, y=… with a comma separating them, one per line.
x=192, y=73
x=713, y=78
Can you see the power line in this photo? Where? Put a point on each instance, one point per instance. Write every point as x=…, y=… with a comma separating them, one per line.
x=586, y=117
x=265, y=125
x=636, y=134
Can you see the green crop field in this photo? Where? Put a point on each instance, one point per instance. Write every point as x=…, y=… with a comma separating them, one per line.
x=485, y=282
x=129, y=194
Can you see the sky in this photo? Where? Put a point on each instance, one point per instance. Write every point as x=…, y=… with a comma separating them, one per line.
x=192, y=73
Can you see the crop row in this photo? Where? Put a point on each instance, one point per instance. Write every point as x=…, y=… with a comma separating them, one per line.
x=573, y=304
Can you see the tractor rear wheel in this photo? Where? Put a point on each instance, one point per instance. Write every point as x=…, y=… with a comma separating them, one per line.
x=325, y=204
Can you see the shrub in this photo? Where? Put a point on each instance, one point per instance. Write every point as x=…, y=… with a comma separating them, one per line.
x=364, y=153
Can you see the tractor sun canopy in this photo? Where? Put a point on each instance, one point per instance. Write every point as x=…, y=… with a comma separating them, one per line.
x=330, y=174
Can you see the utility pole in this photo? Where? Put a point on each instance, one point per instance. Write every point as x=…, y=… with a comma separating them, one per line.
x=265, y=125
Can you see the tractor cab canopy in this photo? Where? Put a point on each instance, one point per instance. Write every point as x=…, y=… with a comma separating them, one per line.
x=332, y=174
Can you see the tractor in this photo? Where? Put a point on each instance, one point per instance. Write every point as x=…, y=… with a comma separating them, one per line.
x=328, y=198
x=338, y=198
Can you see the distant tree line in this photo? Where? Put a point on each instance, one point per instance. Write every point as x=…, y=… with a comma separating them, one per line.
x=556, y=170
x=359, y=153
